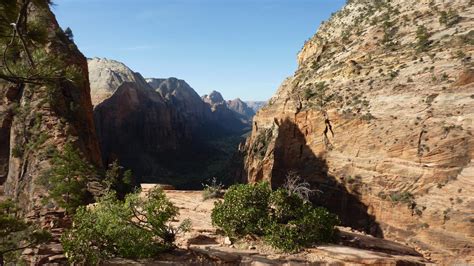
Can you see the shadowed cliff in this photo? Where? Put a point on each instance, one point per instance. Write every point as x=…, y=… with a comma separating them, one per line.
x=291, y=153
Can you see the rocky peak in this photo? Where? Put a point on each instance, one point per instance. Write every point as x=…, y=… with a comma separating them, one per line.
x=173, y=87
x=106, y=75
x=214, y=98
x=183, y=98
x=240, y=107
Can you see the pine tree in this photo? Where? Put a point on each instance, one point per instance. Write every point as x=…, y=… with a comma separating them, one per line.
x=69, y=34
x=16, y=234
x=67, y=179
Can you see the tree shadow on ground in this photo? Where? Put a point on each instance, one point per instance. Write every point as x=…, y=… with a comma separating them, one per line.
x=291, y=153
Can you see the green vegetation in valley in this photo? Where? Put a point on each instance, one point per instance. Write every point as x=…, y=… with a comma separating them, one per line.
x=284, y=219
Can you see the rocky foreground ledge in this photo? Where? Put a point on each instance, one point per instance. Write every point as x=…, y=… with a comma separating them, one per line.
x=204, y=246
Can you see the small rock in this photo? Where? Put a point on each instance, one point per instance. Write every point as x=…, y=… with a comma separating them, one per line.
x=227, y=241
x=57, y=258
x=28, y=251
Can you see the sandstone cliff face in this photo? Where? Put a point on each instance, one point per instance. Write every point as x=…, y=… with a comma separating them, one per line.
x=107, y=75
x=135, y=126
x=31, y=125
x=379, y=116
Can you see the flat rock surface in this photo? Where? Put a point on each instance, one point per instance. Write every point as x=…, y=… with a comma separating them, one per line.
x=204, y=240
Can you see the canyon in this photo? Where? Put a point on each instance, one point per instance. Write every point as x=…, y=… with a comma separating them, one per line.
x=378, y=118
x=162, y=129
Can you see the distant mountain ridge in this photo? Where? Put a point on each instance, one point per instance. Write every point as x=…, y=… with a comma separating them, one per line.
x=240, y=107
x=256, y=105
x=161, y=128
x=223, y=112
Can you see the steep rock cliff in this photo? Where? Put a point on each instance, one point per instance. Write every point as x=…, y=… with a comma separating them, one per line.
x=188, y=105
x=38, y=118
x=379, y=116
x=134, y=126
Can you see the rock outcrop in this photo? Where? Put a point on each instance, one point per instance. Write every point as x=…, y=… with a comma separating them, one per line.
x=188, y=107
x=36, y=119
x=106, y=75
x=240, y=107
x=230, y=119
x=379, y=116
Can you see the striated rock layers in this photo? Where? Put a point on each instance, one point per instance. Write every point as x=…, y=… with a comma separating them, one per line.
x=379, y=116
x=37, y=119
x=161, y=129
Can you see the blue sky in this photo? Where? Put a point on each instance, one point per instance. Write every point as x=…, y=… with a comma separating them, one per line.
x=242, y=48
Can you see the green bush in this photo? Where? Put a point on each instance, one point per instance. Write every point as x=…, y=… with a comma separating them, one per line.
x=315, y=225
x=244, y=210
x=17, y=151
x=135, y=228
x=449, y=18
x=284, y=219
x=422, y=36
x=117, y=179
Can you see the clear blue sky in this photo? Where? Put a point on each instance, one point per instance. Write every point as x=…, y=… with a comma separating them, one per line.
x=242, y=48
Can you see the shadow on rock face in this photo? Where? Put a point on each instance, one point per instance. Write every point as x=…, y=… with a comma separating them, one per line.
x=291, y=153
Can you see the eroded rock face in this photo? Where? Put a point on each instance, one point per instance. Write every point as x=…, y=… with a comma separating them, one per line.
x=34, y=120
x=231, y=120
x=107, y=75
x=135, y=127
x=240, y=107
x=382, y=123
x=188, y=106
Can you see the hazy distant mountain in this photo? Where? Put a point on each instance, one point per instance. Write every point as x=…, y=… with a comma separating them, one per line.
x=240, y=107
x=229, y=119
x=183, y=98
x=256, y=105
